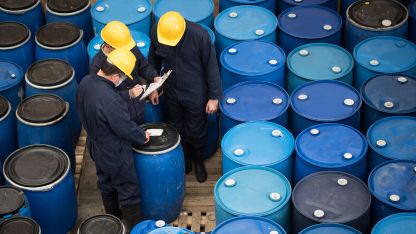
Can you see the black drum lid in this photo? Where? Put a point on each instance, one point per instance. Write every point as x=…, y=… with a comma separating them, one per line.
x=11, y=200
x=58, y=34
x=66, y=6
x=12, y=34
x=16, y=5
x=19, y=225
x=4, y=106
x=50, y=72
x=103, y=224
x=168, y=139
x=41, y=108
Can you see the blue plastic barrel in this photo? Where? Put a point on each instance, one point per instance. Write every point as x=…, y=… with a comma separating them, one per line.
x=387, y=95
x=13, y=203
x=171, y=230
x=21, y=225
x=249, y=225
x=285, y=4
x=365, y=19
x=330, y=147
x=412, y=21
x=210, y=32
x=253, y=191
x=8, y=136
x=199, y=11
x=243, y=23
x=136, y=14
x=318, y=61
x=393, y=186
x=105, y=223
x=75, y=12
x=330, y=228
x=16, y=45
x=11, y=79
x=160, y=168
x=258, y=143
x=270, y=5
x=146, y=226
x=43, y=173
x=391, y=138
x=213, y=135
x=344, y=6
x=239, y=106
x=403, y=223
x=381, y=55
x=331, y=197
x=326, y=101
x=252, y=60
x=308, y=24
x=51, y=44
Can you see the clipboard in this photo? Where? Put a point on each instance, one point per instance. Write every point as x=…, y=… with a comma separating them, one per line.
x=154, y=86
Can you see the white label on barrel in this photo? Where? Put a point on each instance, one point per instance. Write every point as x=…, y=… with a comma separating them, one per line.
x=155, y=132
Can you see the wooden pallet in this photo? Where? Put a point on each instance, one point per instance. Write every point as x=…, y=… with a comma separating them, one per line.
x=79, y=156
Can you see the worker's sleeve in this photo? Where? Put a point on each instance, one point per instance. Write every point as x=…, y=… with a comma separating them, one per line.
x=97, y=62
x=145, y=69
x=154, y=59
x=212, y=73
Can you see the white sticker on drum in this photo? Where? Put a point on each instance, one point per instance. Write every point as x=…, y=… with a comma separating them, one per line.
x=155, y=132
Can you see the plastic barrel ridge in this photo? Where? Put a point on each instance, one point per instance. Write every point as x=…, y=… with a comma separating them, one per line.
x=393, y=187
x=253, y=191
x=160, y=168
x=171, y=230
x=270, y=5
x=330, y=228
x=285, y=4
x=104, y=224
x=14, y=203
x=239, y=106
x=243, y=23
x=11, y=79
x=331, y=197
x=21, y=225
x=412, y=21
x=308, y=24
x=252, y=61
x=318, y=61
x=367, y=19
x=391, y=138
x=43, y=173
x=136, y=14
x=8, y=138
x=383, y=55
x=403, y=223
x=273, y=147
x=249, y=225
x=146, y=226
x=330, y=147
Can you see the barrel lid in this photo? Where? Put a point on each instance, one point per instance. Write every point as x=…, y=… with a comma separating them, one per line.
x=331, y=197
x=58, y=34
x=403, y=223
x=305, y=2
x=331, y=145
x=377, y=14
x=273, y=143
x=310, y=22
x=16, y=5
x=252, y=190
x=168, y=139
x=320, y=61
x=67, y=6
x=12, y=199
x=249, y=225
x=103, y=224
x=394, y=137
x=21, y=225
x=325, y=100
x=210, y=32
x=195, y=12
x=10, y=75
x=386, y=54
x=131, y=11
x=4, y=106
x=329, y=228
x=41, y=108
x=50, y=72
x=245, y=22
x=170, y=230
x=253, y=58
x=13, y=33
x=238, y=102
x=36, y=165
x=390, y=94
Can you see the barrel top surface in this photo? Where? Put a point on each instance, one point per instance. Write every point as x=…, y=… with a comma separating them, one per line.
x=310, y=22
x=130, y=12
x=382, y=91
x=258, y=143
x=50, y=72
x=210, y=32
x=58, y=34
x=104, y=224
x=386, y=54
x=394, y=137
x=377, y=14
x=21, y=225
x=10, y=75
x=36, y=166
x=253, y=58
x=245, y=22
x=41, y=108
x=16, y=5
x=403, y=223
x=243, y=102
x=252, y=190
x=248, y=225
x=325, y=100
x=168, y=139
x=170, y=230
x=195, y=12
x=331, y=197
x=305, y=2
x=320, y=61
x=248, y=1
x=394, y=183
x=4, y=106
x=412, y=9
x=12, y=199
x=335, y=145
x=12, y=34
x=67, y=6
x=329, y=228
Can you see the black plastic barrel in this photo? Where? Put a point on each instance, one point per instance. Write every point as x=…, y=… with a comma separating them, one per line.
x=102, y=224
x=19, y=225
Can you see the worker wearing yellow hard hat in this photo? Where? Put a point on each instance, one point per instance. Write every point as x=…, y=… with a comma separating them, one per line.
x=193, y=89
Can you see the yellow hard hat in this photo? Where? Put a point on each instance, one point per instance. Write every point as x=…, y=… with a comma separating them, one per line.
x=170, y=28
x=123, y=59
x=117, y=35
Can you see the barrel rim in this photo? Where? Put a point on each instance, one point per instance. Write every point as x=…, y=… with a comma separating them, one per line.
x=81, y=35
x=129, y=22
x=52, y=86
x=66, y=13
x=263, y=219
x=19, y=72
x=20, y=44
x=22, y=11
x=391, y=217
x=21, y=203
x=31, y=220
x=306, y=230
x=290, y=2
x=209, y=12
x=9, y=109
x=123, y=228
x=159, y=152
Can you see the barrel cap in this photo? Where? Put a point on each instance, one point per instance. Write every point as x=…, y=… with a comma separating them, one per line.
x=403, y=223
x=167, y=141
x=21, y=225
x=10, y=75
x=131, y=11
x=103, y=224
x=249, y=225
x=13, y=33
x=4, y=106
x=329, y=228
x=41, y=108
x=195, y=12
x=66, y=6
x=50, y=72
x=17, y=5
x=170, y=230
x=12, y=199
x=58, y=34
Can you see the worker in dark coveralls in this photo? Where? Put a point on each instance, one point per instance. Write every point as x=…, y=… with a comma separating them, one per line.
x=110, y=135
x=194, y=88
x=116, y=35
